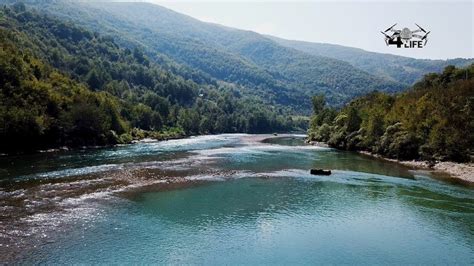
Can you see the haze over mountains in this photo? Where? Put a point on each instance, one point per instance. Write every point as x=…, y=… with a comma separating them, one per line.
x=281, y=71
x=393, y=67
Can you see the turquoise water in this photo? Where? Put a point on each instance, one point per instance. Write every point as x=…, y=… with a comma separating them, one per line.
x=231, y=199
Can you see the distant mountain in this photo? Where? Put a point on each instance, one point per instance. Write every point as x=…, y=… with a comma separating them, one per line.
x=258, y=64
x=397, y=68
x=88, y=73
x=281, y=72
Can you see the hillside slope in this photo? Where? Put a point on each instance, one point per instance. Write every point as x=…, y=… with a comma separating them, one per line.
x=65, y=85
x=431, y=121
x=398, y=68
x=283, y=75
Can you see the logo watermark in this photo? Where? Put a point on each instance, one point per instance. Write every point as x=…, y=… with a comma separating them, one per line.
x=406, y=38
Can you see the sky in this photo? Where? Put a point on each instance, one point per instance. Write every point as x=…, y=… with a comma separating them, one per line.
x=351, y=23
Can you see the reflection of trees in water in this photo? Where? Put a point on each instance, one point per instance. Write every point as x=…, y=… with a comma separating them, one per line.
x=287, y=141
x=354, y=162
x=268, y=158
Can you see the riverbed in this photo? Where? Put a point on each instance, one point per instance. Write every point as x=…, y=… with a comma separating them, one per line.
x=229, y=199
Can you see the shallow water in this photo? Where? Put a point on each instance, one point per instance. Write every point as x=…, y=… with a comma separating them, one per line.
x=229, y=199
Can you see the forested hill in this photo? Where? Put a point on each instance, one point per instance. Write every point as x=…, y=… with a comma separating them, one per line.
x=63, y=85
x=434, y=120
x=279, y=72
x=397, y=68
x=83, y=73
x=282, y=75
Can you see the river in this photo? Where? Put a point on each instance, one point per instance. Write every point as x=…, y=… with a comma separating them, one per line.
x=229, y=199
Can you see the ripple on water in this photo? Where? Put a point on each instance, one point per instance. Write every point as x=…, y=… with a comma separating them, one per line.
x=41, y=204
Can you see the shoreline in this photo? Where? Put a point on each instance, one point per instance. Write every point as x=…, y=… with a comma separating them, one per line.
x=133, y=141
x=93, y=147
x=463, y=172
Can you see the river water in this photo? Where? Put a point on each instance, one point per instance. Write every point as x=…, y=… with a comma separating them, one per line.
x=229, y=199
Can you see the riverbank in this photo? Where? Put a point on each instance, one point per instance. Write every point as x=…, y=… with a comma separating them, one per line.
x=135, y=136
x=461, y=171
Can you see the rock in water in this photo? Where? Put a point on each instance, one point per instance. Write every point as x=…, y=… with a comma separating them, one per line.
x=320, y=172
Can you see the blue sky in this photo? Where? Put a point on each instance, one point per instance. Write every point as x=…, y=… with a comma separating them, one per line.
x=351, y=23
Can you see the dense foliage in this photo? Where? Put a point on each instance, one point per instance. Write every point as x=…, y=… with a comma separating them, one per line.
x=277, y=74
x=134, y=70
x=64, y=85
x=40, y=107
x=432, y=121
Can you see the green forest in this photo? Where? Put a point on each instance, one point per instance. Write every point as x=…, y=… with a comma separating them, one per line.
x=65, y=86
x=279, y=75
x=431, y=121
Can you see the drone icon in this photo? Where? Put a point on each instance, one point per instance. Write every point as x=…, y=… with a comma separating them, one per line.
x=399, y=37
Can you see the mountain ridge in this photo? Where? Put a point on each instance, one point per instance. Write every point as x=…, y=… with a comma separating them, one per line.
x=208, y=50
x=280, y=71
x=408, y=70
x=402, y=69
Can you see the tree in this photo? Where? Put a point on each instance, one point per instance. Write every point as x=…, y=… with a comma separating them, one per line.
x=318, y=102
x=94, y=80
x=431, y=121
x=353, y=120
